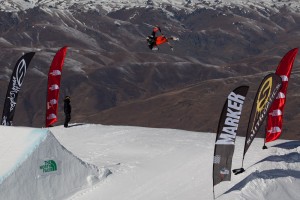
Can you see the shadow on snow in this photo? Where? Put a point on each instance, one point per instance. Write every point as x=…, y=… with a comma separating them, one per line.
x=288, y=145
x=268, y=174
x=293, y=157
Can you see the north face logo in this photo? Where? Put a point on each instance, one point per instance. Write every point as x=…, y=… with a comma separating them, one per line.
x=55, y=73
x=54, y=87
x=49, y=166
x=51, y=116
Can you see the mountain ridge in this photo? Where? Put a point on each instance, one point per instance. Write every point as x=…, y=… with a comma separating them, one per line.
x=109, y=65
x=111, y=6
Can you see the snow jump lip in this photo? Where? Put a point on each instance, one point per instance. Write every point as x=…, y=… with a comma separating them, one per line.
x=34, y=165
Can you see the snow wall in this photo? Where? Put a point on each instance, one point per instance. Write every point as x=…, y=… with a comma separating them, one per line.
x=34, y=165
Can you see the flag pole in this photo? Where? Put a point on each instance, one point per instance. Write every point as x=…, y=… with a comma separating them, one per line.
x=266, y=129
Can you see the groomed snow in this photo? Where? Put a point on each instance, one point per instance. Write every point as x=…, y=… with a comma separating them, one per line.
x=152, y=164
x=138, y=163
x=35, y=166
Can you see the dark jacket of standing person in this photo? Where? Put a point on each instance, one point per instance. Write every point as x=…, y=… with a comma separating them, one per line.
x=67, y=110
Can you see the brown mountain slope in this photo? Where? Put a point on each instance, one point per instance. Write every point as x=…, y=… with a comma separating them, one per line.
x=196, y=107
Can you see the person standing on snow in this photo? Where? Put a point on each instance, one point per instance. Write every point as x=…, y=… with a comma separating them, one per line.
x=67, y=110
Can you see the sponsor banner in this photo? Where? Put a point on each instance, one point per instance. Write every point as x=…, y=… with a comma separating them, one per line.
x=226, y=134
x=266, y=93
x=14, y=87
x=54, y=77
x=274, y=121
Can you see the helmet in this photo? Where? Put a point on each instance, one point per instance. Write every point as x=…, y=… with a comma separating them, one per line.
x=67, y=97
x=155, y=29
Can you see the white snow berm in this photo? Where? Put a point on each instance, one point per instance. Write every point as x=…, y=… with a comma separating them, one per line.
x=34, y=165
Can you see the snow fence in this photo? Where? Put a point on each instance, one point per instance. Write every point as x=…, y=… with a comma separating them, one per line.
x=34, y=165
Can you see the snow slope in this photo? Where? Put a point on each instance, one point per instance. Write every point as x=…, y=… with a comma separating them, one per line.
x=34, y=165
x=145, y=163
x=151, y=164
x=112, y=5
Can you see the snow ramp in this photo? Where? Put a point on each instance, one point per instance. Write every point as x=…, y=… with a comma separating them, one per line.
x=34, y=165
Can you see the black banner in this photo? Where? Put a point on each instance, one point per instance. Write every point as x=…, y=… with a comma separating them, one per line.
x=266, y=93
x=226, y=134
x=14, y=87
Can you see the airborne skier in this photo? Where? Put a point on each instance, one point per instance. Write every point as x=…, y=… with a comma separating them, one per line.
x=154, y=41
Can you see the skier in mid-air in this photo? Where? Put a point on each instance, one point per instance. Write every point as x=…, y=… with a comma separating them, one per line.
x=154, y=41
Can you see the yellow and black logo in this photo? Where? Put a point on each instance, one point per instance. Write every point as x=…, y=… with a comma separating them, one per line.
x=262, y=99
x=264, y=95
